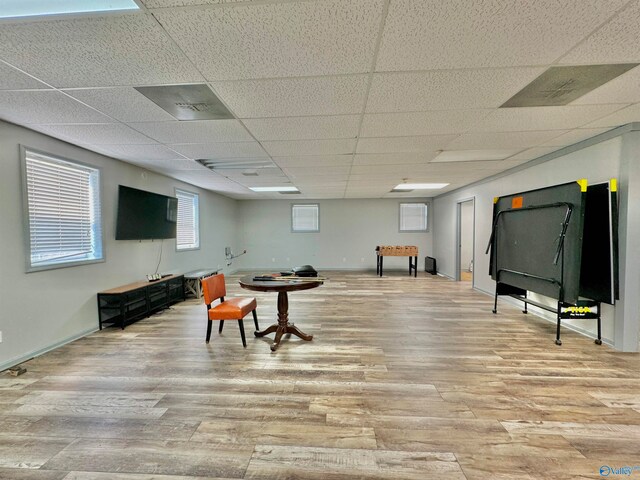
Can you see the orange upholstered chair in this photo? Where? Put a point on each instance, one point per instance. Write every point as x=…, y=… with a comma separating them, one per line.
x=235, y=308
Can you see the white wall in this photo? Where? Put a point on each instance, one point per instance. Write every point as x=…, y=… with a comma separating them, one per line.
x=349, y=233
x=596, y=162
x=42, y=309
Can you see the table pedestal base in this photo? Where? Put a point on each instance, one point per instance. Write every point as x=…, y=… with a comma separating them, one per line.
x=283, y=326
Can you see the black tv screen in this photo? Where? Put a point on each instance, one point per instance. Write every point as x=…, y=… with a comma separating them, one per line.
x=145, y=215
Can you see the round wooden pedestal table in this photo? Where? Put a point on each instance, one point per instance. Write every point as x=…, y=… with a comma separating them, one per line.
x=282, y=287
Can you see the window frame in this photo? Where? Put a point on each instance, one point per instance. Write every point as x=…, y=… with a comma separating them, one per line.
x=197, y=219
x=427, y=206
x=293, y=205
x=26, y=219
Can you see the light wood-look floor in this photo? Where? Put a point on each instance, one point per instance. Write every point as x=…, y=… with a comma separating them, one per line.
x=406, y=378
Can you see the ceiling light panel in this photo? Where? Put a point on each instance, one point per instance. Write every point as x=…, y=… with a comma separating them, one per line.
x=420, y=123
x=277, y=40
x=169, y=165
x=473, y=155
x=403, y=144
x=201, y=131
x=310, y=147
x=122, y=103
x=303, y=128
x=112, y=50
x=274, y=189
x=233, y=150
x=432, y=34
x=30, y=8
x=502, y=140
x=530, y=154
x=45, y=106
x=316, y=173
x=563, y=84
x=96, y=134
x=446, y=90
x=294, y=97
x=13, y=79
x=542, y=118
x=614, y=42
x=420, y=186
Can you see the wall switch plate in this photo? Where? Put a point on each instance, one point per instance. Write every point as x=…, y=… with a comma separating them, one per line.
x=0, y=336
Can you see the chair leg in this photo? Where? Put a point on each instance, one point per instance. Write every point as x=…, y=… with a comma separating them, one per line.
x=244, y=340
x=255, y=319
x=220, y=326
x=208, y=330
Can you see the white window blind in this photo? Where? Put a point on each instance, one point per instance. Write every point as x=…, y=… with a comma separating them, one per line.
x=188, y=229
x=63, y=205
x=413, y=217
x=305, y=218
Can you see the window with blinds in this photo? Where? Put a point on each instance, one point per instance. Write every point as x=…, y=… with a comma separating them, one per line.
x=63, y=212
x=305, y=218
x=188, y=228
x=413, y=217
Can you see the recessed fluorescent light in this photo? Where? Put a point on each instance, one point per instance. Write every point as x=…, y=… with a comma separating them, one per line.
x=420, y=186
x=274, y=189
x=30, y=8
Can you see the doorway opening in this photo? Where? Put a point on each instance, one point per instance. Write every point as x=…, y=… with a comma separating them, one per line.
x=465, y=252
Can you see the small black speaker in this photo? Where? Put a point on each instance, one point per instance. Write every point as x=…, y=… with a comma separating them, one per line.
x=430, y=265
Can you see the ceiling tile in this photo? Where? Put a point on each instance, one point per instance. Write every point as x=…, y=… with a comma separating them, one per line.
x=529, y=154
x=621, y=117
x=13, y=79
x=45, y=106
x=309, y=147
x=95, y=134
x=623, y=89
x=502, y=140
x=446, y=90
x=615, y=42
x=122, y=103
x=393, y=158
x=199, y=131
x=542, y=118
x=403, y=144
x=111, y=50
x=220, y=150
x=317, y=173
x=294, y=97
x=174, y=164
x=573, y=136
x=304, y=128
x=436, y=34
x=420, y=123
x=186, y=3
x=143, y=153
x=278, y=39
x=314, y=160
x=473, y=155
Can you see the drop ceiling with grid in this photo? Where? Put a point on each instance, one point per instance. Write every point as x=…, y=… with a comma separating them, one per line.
x=341, y=98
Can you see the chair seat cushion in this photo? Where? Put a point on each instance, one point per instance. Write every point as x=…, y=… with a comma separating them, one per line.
x=233, y=309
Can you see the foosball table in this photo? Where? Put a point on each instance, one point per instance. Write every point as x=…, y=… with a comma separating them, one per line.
x=397, y=251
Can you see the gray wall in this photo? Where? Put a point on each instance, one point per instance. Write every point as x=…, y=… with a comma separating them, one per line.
x=593, y=160
x=349, y=233
x=39, y=310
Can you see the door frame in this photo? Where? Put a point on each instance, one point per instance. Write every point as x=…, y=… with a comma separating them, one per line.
x=458, y=247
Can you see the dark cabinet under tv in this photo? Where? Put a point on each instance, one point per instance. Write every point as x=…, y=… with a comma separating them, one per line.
x=128, y=303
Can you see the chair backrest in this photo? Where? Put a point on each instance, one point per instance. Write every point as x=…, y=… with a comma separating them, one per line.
x=213, y=288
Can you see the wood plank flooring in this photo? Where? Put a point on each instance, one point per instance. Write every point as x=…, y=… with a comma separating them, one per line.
x=406, y=378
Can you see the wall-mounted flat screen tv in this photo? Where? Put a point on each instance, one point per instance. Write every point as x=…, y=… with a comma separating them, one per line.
x=145, y=215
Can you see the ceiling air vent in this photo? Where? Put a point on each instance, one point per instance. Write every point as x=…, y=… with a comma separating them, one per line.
x=187, y=102
x=562, y=85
